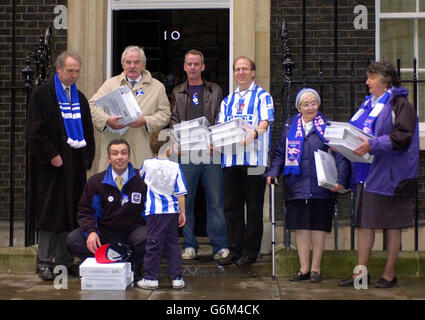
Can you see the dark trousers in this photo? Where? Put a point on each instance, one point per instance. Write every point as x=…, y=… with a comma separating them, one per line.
x=135, y=238
x=51, y=245
x=163, y=236
x=242, y=189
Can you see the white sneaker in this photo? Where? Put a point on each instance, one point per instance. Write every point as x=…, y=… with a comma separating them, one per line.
x=222, y=254
x=147, y=284
x=188, y=253
x=178, y=283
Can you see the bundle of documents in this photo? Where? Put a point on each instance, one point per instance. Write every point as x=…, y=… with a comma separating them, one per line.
x=344, y=137
x=120, y=102
x=326, y=170
x=192, y=134
x=229, y=134
x=105, y=276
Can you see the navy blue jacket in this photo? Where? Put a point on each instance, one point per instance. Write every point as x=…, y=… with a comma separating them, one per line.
x=103, y=205
x=304, y=186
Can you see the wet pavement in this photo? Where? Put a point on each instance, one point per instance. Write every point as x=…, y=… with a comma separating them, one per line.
x=215, y=291
x=30, y=287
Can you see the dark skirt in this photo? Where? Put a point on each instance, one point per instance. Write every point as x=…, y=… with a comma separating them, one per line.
x=311, y=214
x=375, y=211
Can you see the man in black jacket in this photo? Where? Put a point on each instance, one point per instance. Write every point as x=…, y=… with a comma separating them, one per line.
x=195, y=98
x=111, y=208
x=60, y=138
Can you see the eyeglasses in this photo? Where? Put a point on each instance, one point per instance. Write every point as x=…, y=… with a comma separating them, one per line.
x=242, y=69
x=312, y=104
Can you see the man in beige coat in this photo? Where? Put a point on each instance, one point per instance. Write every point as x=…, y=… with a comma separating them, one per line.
x=152, y=99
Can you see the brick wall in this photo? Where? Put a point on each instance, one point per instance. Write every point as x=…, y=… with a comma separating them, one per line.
x=32, y=17
x=355, y=48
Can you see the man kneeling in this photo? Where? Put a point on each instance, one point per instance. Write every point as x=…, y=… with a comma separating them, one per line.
x=110, y=209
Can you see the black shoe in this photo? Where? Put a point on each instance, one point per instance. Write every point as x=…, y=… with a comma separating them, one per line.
x=74, y=271
x=44, y=273
x=300, y=276
x=350, y=281
x=315, y=277
x=225, y=261
x=384, y=284
x=245, y=261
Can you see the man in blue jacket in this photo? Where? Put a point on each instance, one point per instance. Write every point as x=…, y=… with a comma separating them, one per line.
x=110, y=208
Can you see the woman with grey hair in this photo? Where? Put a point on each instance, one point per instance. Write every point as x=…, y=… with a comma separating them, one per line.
x=309, y=207
x=386, y=186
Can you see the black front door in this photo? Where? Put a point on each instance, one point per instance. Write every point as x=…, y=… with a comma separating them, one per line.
x=166, y=35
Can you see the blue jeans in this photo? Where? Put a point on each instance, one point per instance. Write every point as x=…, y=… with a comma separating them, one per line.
x=211, y=176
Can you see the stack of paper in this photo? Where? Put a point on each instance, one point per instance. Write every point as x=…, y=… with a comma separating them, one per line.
x=326, y=170
x=105, y=276
x=192, y=134
x=344, y=137
x=120, y=102
x=228, y=134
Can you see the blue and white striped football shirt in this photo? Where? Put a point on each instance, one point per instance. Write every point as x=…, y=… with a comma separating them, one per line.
x=254, y=105
x=165, y=181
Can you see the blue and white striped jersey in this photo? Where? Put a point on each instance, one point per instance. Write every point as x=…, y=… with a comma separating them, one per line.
x=253, y=105
x=165, y=181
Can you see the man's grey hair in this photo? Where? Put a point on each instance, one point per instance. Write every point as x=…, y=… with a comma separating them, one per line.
x=133, y=48
x=60, y=60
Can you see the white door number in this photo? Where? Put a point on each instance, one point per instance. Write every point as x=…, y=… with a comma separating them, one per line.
x=175, y=35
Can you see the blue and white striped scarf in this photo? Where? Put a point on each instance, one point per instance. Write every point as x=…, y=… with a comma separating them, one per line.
x=71, y=114
x=295, y=142
x=369, y=122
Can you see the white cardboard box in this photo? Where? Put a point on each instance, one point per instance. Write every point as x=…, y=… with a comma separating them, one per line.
x=192, y=134
x=106, y=282
x=344, y=137
x=229, y=134
x=120, y=102
x=224, y=138
x=230, y=125
x=190, y=124
x=90, y=268
x=326, y=170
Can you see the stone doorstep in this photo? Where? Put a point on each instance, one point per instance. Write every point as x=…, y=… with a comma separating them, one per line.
x=335, y=264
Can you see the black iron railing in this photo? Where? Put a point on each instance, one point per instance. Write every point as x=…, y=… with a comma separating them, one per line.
x=40, y=57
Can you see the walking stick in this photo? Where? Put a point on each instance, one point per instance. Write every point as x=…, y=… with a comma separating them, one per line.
x=273, y=228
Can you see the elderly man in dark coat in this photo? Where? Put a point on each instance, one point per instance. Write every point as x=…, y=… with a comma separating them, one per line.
x=61, y=142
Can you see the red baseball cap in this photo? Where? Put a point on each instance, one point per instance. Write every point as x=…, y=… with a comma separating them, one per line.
x=112, y=252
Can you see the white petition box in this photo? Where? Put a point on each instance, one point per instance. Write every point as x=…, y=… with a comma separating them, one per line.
x=326, y=170
x=228, y=134
x=344, y=137
x=106, y=282
x=90, y=268
x=192, y=134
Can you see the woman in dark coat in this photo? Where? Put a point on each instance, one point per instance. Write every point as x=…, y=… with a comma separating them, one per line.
x=309, y=207
x=385, y=188
x=57, y=170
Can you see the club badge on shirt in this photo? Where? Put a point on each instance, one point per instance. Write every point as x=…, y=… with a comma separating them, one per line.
x=139, y=92
x=241, y=105
x=136, y=197
x=195, y=99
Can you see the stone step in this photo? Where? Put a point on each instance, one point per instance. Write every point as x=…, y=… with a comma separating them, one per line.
x=343, y=237
x=21, y=260
x=335, y=264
